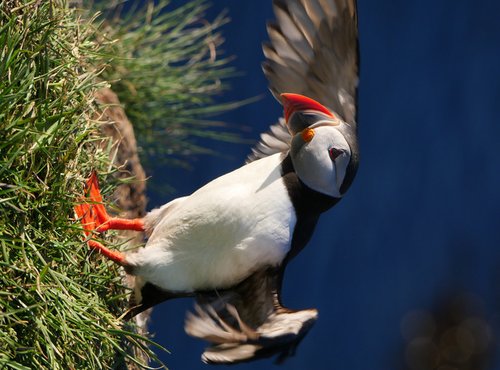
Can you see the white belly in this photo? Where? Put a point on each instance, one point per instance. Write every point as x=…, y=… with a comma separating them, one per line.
x=221, y=233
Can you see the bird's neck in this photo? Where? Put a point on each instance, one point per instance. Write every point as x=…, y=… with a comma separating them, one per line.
x=304, y=199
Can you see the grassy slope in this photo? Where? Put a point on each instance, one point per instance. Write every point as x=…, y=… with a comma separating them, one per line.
x=58, y=302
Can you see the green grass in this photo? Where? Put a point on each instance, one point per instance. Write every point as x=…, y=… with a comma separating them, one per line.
x=167, y=70
x=59, y=304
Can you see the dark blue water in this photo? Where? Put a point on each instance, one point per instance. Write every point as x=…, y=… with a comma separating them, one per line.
x=421, y=222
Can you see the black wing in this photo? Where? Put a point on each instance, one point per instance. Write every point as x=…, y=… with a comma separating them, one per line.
x=314, y=51
x=248, y=322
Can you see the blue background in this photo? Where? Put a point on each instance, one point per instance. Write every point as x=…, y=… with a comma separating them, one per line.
x=422, y=219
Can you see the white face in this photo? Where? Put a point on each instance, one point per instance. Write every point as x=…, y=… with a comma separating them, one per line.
x=322, y=162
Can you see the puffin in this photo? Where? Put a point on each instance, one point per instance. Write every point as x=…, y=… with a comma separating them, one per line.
x=228, y=243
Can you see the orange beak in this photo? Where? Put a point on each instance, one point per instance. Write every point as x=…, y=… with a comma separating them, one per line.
x=296, y=102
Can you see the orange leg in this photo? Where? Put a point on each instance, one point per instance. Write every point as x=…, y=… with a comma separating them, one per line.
x=95, y=218
x=115, y=256
x=121, y=224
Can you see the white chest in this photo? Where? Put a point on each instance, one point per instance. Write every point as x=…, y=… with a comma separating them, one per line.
x=221, y=233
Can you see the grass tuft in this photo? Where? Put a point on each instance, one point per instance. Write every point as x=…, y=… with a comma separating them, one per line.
x=166, y=68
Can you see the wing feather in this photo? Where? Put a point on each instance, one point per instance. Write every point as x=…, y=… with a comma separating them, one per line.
x=248, y=322
x=276, y=140
x=322, y=37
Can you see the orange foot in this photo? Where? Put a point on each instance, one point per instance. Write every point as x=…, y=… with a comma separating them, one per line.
x=95, y=218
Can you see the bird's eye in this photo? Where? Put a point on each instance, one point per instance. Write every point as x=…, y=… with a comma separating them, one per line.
x=335, y=153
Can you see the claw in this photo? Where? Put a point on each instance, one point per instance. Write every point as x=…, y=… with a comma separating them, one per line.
x=95, y=218
x=92, y=214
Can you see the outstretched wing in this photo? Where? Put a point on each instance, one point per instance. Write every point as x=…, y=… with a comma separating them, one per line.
x=248, y=322
x=313, y=51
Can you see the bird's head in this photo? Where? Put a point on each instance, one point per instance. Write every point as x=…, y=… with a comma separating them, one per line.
x=324, y=148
